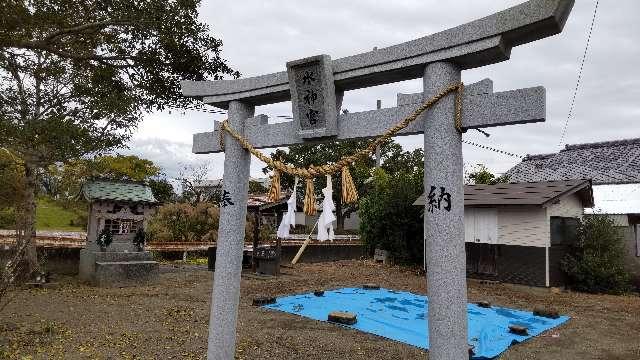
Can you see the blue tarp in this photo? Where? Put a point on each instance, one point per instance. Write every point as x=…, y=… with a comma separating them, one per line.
x=401, y=316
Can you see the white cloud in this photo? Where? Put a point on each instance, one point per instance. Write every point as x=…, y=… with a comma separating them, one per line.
x=261, y=36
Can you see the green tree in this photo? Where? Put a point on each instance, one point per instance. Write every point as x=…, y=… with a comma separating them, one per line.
x=188, y=223
x=388, y=219
x=123, y=167
x=256, y=187
x=63, y=181
x=76, y=77
x=596, y=263
x=480, y=174
x=396, y=160
x=319, y=154
x=162, y=190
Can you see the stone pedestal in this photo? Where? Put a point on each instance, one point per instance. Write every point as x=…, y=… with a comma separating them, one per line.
x=117, y=269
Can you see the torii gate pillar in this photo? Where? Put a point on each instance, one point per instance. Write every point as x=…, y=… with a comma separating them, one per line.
x=443, y=220
x=226, y=281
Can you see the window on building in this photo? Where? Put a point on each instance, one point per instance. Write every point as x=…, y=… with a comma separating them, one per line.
x=564, y=230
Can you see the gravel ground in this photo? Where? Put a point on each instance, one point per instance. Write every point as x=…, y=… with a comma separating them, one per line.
x=169, y=320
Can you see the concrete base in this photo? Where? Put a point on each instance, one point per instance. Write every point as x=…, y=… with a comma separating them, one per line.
x=117, y=269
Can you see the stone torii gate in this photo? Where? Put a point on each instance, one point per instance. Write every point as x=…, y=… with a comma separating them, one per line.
x=316, y=86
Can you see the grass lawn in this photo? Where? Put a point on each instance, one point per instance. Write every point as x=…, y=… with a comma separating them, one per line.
x=51, y=216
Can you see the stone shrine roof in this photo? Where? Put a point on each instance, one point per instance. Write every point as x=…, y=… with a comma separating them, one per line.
x=609, y=162
x=118, y=191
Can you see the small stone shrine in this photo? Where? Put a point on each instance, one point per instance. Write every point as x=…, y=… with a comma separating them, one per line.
x=117, y=210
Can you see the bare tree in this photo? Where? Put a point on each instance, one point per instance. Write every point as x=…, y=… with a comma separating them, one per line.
x=195, y=188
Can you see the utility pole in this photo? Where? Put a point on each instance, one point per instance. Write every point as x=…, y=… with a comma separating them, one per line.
x=378, y=160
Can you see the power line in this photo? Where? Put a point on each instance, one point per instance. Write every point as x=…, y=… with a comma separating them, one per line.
x=200, y=109
x=575, y=90
x=222, y=112
x=492, y=149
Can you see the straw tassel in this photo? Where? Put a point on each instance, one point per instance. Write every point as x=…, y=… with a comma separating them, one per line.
x=274, y=191
x=349, y=192
x=310, y=198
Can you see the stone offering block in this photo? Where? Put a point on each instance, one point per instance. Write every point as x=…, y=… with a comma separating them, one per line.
x=342, y=317
x=125, y=273
x=117, y=269
x=266, y=253
x=381, y=256
x=318, y=293
x=264, y=300
x=518, y=330
x=484, y=304
x=545, y=312
x=268, y=260
x=371, y=287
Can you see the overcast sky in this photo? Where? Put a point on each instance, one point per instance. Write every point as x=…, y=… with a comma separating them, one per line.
x=261, y=36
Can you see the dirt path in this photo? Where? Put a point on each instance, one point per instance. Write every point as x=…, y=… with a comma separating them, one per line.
x=169, y=320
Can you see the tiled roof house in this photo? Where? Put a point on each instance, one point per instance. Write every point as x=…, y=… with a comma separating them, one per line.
x=609, y=162
x=613, y=167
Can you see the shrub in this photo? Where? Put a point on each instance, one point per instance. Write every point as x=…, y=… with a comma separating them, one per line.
x=105, y=238
x=185, y=222
x=7, y=218
x=389, y=220
x=596, y=263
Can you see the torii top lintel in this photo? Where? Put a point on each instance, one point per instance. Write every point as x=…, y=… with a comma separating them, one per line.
x=481, y=42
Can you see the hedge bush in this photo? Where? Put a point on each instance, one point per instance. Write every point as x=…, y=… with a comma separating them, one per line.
x=388, y=218
x=184, y=222
x=596, y=263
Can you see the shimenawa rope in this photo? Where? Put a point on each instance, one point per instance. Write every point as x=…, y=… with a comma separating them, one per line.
x=349, y=192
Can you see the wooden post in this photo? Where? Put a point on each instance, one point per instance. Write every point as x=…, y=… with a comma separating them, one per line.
x=256, y=239
x=279, y=254
x=304, y=246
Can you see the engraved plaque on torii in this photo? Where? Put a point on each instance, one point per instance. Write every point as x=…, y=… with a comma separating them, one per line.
x=313, y=96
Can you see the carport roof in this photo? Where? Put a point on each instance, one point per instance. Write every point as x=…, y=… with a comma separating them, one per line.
x=525, y=193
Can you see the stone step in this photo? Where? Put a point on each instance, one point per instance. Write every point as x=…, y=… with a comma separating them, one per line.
x=134, y=262
x=112, y=256
x=125, y=273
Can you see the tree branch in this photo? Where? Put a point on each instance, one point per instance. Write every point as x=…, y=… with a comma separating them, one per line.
x=43, y=46
x=84, y=27
x=12, y=65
